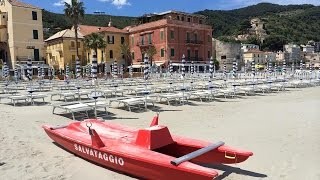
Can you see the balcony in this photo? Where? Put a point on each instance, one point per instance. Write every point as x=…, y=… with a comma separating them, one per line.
x=193, y=42
x=144, y=44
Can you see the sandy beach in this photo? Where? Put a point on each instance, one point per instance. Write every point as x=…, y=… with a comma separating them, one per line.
x=282, y=129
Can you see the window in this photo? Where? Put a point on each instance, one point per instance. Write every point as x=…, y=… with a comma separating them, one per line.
x=72, y=44
x=34, y=15
x=209, y=39
x=209, y=54
x=122, y=40
x=35, y=34
x=178, y=17
x=196, y=54
x=73, y=58
x=182, y=18
x=188, y=36
x=162, y=52
x=200, y=21
x=132, y=40
x=111, y=54
x=132, y=55
x=149, y=39
x=36, y=54
x=142, y=40
x=172, y=52
x=110, y=39
x=172, y=34
x=223, y=57
x=188, y=54
x=195, y=37
x=189, y=19
x=161, y=35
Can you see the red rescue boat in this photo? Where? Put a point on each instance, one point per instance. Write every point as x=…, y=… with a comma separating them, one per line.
x=150, y=153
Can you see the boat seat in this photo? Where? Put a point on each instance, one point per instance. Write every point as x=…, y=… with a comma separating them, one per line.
x=154, y=137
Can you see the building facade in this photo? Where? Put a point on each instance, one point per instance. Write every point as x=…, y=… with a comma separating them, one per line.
x=61, y=49
x=173, y=34
x=114, y=38
x=226, y=53
x=21, y=33
x=292, y=53
x=257, y=56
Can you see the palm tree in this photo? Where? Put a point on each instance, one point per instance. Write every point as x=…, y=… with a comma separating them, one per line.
x=95, y=41
x=75, y=11
x=151, y=51
x=125, y=50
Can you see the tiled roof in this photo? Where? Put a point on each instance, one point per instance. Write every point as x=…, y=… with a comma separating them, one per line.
x=22, y=4
x=67, y=33
x=86, y=30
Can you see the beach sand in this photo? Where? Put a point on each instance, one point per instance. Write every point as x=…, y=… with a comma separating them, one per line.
x=282, y=129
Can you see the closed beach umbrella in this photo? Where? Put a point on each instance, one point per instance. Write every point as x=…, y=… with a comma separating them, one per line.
x=301, y=65
x=42, y=71
x=192, y=68
x=121, y=70
x=87, y=70
x=39, y=71
x=94, y=68
x=5, y=70
x=67, y=72
x=78, y=68
x=275, y=67
x=106, y=70
x=284, y=70
x=270, y=67
x=115, y=68
x=146, y=68
x=170, y=67
x=225, y=69
x=29, y=69
x=253, y=68
x=211, y=67
x=53, y=72
x=234, y=69
x=183, y=69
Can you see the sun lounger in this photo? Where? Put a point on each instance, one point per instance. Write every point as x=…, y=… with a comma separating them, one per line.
x=131, y=102
x=33, y=97
x=72, y=108
x=97, y=105
x=246, y=90
x=208, y=94
x=178, y=97
x=17, y=98
x=64, y=95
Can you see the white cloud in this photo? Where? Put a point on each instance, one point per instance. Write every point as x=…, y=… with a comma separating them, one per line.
x=118, y=3
x=61, y=2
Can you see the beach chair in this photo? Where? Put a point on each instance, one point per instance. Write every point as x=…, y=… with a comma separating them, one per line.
x=64, y=95
x=72, y=108
x=33, y=97
x=16, y=98
x=131, y=102
x=177, y=97
x=207, y=94
x=97, y=105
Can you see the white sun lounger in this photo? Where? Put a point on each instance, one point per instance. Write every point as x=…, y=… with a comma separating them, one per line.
x=208, y=94
x=73, y=108
x=178, y=97
x=17, y=98
x=131, y=102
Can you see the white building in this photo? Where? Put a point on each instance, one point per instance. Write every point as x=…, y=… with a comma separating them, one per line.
x=280, y=56
x=308, y=48
x=292, y=53
x=247, y=47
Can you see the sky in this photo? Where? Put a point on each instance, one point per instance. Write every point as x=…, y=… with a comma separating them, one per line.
x=140, y=7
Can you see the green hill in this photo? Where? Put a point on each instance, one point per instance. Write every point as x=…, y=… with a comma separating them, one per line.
x=284, y=24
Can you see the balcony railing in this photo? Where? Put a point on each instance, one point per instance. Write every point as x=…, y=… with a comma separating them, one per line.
x=144, y=44
x=188, y=41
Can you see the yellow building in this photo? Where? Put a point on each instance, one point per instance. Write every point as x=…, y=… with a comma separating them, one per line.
x=61, y=49
x=114, y=38
x=256, y=55
x=21, y=33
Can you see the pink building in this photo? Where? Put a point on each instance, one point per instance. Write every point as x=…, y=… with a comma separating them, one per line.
x=172, y=34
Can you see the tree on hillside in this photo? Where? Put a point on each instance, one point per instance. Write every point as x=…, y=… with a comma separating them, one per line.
x=244, y=26
x=274, y=43
x=125, y=51
x=75, y=11
x=95, y=41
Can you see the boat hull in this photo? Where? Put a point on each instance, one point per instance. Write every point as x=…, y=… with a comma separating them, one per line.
x=132, y=165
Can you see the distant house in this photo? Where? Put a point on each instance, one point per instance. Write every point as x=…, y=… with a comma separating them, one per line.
x=292, y=53
x=254, y=55
x=226, y=53
x=61, y=49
